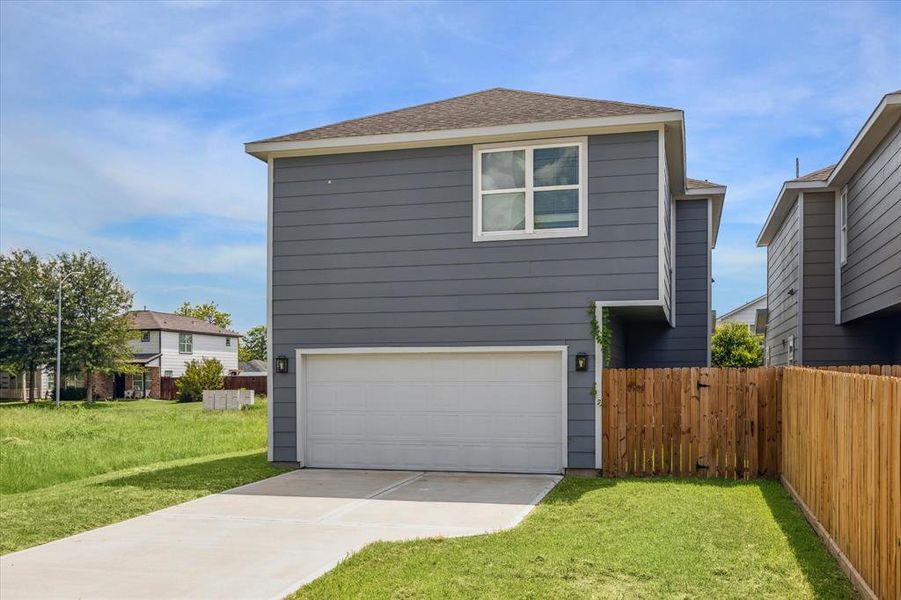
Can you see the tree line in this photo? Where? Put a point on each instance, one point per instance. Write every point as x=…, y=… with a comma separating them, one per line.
x=96, y=330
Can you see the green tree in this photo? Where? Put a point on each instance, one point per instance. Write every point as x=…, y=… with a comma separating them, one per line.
x=203, y=374
x=27, y=314
x=208, y=312
x=733, y=345
x=253, y=344
x=96, y=329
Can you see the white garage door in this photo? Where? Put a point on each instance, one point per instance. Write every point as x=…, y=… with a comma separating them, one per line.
x=497, y=410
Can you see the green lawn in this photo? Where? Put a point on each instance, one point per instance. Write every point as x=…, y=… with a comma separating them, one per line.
x=597, y=538
x=81, y=467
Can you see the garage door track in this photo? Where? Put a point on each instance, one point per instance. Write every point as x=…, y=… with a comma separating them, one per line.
x=265, y=539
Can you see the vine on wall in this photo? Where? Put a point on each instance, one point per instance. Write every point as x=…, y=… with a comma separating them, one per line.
x=602, y=335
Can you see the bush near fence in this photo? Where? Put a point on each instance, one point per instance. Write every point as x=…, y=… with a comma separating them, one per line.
x=169, y=389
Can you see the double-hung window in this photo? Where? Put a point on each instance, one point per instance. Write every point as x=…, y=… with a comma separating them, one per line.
x=843, y=226
x=145, y=336
x=185, y=343
x=530, y=190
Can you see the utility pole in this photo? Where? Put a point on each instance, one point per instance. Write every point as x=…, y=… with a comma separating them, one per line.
x=59, y=329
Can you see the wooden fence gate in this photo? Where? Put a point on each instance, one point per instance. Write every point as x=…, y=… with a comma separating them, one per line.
x=702, y=422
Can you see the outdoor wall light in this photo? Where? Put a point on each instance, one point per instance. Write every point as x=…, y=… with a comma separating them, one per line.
x=281, y=364
x=581, y=362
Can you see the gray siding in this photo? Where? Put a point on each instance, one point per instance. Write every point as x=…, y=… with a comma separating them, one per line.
x=654, y=344
x=864, y=341
x=871, y=277
x=375, y=249
x=783, y=274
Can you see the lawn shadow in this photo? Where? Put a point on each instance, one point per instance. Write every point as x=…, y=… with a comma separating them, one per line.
x=819, y=567
x=215, y=473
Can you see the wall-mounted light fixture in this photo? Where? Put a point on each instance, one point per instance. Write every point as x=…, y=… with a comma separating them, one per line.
x=281, y=364
x=581, y=362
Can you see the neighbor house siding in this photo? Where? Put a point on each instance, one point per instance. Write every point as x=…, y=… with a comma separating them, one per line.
x=656, y=344
x=150, y=347
x=205, y=346
x=783, y=273
x=375, y=249
x=871, y=278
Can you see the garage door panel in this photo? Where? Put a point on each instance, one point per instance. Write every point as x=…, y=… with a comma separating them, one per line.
x=486, y=411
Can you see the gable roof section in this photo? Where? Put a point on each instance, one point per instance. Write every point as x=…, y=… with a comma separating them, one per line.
x=151, y=319
x=879, y=124
x=488, y=108
x=743, y=306
x=701, y=188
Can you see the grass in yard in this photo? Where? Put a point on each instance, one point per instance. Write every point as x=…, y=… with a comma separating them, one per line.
x=62, y=472
x=597, y=538
x=42, y=446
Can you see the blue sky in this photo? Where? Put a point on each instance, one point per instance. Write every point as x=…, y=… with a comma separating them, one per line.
x=121, y=124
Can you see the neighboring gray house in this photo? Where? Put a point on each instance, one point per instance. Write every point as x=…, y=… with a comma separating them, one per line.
x=748, y=313
x=431, y=271
x=833, y=240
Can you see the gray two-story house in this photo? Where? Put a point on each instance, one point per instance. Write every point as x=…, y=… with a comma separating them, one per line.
x=833, y=240
x=434, y=270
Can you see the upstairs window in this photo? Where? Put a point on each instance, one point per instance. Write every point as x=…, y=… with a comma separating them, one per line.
x=843, y=227
x=525, y=191
x=145, y=336
x=185, y=343
x=228, y=341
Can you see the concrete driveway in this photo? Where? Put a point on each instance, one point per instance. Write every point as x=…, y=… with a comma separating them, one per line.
x=265, y=539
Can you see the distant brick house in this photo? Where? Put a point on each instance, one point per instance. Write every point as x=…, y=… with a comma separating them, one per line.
x=167, y=343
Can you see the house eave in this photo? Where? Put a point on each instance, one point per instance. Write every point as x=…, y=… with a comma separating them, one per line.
x=448, y=137
x=787, y=195
x=879, y=124
x=717, y=195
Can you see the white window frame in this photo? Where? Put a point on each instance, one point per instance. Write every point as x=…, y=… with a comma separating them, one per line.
x=186, y=343
x=167, y=373
x=530, y=233
x=843, y=226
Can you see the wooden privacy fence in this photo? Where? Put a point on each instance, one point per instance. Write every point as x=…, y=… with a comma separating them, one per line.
x=705, y=422
x=257, y=383
x=842, y=462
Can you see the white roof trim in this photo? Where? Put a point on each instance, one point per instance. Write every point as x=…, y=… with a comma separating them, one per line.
x=780, y=207
x=742, y=307
x=261, y=150
x=717, y=194
x=890, y=103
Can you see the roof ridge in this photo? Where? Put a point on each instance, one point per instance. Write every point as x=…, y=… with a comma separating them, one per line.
x=426, y=105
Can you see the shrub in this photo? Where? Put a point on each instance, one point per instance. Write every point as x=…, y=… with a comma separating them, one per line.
x=73, y=393
x=205, y=374
x=733, y=345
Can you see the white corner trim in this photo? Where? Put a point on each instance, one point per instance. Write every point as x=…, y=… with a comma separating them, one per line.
x=837, y=259
x=672, y=262
x=614, y=124
x=662, y=185
x=530, y=233
x=270, y=408
x=709, y=325
x=301, y=353
x=799, y=334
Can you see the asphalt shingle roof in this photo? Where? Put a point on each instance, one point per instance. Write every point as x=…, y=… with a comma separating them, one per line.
x=497, y=106
x=694, y=184
x=818, y=175
x=151, y=319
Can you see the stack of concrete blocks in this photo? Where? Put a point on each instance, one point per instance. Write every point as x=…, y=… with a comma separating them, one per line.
x=226, y=399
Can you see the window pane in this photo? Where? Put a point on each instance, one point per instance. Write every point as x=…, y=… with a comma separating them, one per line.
x=504, y=212
x=558, y=209
x=504, y=170
x=556, y=166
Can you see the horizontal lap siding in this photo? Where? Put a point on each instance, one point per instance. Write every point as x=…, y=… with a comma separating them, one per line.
x=824, y=342
x=871, y=277
x=783, y=273
x=375, y=249
x=658, y=344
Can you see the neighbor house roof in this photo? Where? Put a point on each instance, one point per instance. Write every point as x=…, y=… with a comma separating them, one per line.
x=697, y=184
x=877, y=126
x=151, y=319
x=716, y=192
x=254, y=366
x=742, y=307
x=145, y=357
x=497, y=106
